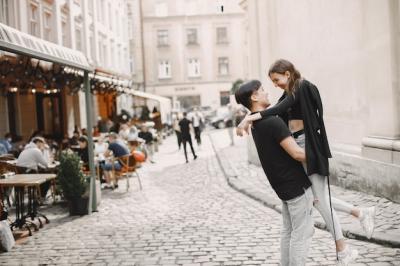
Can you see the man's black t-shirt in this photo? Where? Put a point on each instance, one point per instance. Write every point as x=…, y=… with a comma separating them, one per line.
x=185, y=128
x=286, y=175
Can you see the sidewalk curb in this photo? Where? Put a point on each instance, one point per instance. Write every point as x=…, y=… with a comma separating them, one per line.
x=233, y=182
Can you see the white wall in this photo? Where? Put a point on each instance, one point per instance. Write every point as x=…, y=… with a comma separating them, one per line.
x=345, y=48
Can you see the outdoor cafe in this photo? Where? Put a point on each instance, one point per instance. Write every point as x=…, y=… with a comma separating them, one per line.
x=68, y=71
x=19, y=48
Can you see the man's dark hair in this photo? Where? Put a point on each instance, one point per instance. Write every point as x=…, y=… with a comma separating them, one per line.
x=184, y=114
x=243, y=94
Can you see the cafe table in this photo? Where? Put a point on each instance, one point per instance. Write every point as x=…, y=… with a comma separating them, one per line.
x=32, y=183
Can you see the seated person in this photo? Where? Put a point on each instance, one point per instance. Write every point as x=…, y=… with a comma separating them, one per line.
x=32, y=156
x=136, y=147
x=3, y=149
x=83, y=151
x=7, y=143
x=73, y=142
x=149, y=141
x=118, y=148
x=33, y=159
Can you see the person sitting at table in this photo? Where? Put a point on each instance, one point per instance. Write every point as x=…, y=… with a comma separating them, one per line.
x=73, y=142
x=137, y=150
x=118, y=148
x=33, y=159
x=149, y=141
x=7, y=143
x=83, y=151
x=124, y=131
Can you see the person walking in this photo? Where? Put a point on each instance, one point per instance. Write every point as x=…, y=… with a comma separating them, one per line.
x=198, y=122
x=185, y=125
x=177, y=130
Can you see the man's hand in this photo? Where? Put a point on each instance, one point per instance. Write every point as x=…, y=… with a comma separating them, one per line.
x=294, y=150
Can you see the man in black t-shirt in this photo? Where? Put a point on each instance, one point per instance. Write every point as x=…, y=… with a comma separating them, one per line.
x=280, y=158
x=185, y=125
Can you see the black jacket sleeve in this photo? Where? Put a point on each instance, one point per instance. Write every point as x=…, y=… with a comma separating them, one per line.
x=317, y=146
x=281, y=107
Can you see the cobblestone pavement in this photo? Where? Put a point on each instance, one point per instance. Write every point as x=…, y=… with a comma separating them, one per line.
x=186, y=214
x=251, y=178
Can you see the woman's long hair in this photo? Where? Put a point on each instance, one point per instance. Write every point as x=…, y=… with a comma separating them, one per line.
x=281, y=66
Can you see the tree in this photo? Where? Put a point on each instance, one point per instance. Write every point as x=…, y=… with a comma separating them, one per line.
x=236, y=85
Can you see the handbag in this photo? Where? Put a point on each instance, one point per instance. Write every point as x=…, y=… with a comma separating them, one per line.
x=7, y=240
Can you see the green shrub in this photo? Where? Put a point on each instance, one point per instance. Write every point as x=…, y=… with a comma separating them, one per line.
x=70, y=177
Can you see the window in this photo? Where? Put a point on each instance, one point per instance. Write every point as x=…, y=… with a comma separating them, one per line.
x=222, y=35
x=161, y=9
x=99, y=9
x=102, y=12
x=92, y=46
x=194, y=67
x=64, y=29
x=113, y=54
x=164, y=69
x=126, y=60
x=33, y=20
x=162, y=37
x=4, y=18
x=101, y=54
x=91, y=7
x=78, y=39
x=116, y=26
x=191, y=36
x=47, y=25
x=223, y=66
x=110, y=22
x=120, y=59
x=224, y=97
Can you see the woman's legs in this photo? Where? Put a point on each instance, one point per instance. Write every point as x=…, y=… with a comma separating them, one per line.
x=321, y=203
x=337, y=204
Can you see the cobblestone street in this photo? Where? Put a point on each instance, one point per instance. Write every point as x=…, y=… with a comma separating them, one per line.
x=186, y=214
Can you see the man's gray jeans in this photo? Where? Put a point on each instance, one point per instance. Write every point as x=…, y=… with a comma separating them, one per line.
x=297, y=230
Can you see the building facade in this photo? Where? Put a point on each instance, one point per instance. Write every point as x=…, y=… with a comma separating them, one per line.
x=192, y=50
x=97, y=29
x=350, y=50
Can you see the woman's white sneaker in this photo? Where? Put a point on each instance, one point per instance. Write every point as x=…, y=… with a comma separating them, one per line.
x=347, y=256
x=367, y=220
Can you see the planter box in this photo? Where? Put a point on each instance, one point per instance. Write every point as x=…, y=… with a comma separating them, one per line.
x=78, y=206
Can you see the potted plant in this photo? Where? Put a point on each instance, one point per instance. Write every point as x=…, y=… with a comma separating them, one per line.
x=73, y=183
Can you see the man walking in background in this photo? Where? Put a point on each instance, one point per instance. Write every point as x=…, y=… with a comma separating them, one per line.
x=198, y=122
x=185, y=125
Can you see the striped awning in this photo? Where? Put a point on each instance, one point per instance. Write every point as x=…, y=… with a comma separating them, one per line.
x=14, y=41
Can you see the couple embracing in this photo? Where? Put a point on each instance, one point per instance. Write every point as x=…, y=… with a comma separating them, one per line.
x=293, y=148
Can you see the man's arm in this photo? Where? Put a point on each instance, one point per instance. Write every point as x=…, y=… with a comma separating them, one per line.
x=40, y=159
x=294, y=150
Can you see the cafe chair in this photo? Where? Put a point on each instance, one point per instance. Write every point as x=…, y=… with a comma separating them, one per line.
x=128, y=170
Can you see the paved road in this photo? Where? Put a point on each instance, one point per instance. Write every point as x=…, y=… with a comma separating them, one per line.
x=185, y=215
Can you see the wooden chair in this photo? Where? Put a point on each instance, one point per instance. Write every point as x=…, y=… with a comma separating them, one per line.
x=128, y=169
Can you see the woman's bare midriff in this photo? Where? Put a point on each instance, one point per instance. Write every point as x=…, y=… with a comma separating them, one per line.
x=296, y=125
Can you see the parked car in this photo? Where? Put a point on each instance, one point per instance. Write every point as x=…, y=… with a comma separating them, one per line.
x=223, y=118
x=207, y=111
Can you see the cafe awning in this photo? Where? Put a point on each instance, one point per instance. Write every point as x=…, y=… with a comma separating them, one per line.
x=14, y=41
x=164, y=102
x=17, y=42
